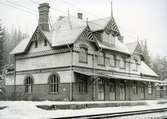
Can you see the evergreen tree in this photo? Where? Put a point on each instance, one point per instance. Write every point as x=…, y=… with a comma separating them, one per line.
x=1, y=47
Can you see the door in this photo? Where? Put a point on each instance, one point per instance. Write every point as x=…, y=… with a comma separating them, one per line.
x=100, y=89
x=111, y=91
x=122, y=91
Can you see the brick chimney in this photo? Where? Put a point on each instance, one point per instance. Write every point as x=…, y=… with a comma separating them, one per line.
x=44, y=16
x=79, y=15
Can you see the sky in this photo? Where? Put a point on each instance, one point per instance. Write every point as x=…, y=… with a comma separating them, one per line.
x=136, y=19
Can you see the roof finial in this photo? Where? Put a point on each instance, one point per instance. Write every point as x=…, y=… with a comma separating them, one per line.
x=138, y=38
x=68, y=13
x=87, y=21
x=69, y=19
x=111, y=9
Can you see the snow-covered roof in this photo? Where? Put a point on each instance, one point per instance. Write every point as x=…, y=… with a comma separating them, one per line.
x=65, y=31
x=132, y=46
x=146, y=70
x=119, y=47
x=63, y=37
x=99, y=24
x=21, y=47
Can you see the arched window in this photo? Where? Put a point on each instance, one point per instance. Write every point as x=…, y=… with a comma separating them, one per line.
x=28, y=84
x=101, y=58
x=83, y=54
x=54, y=83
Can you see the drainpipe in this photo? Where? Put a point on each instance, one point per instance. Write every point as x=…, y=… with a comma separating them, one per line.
x=94, y=71
x=71, y=84
x=14, y=76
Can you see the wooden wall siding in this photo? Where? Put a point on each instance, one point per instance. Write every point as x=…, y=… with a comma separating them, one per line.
x=43, y=53
x=50, y=61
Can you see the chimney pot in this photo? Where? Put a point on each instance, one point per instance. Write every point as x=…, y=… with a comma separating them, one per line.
x=79, y=15
x=44, y=16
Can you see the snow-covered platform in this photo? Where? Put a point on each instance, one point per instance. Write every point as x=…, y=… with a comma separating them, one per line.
x=27, y=109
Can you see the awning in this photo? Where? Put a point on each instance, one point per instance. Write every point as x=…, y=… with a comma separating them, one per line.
x=111, y=76
x=134, y=78
x=92, y=74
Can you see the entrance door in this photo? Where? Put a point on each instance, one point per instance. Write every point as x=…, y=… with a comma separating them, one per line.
x=122, y=91
x=100, y=89
x=111, y=91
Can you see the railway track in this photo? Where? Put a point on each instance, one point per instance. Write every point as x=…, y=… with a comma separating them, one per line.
x=119, y=114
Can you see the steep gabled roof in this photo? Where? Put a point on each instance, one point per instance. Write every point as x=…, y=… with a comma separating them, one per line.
x=99, y=24
x=21, y=47
x=134, y=47
x=146, y=70
x=23, y=44
x=65, y=31
x=104, y=23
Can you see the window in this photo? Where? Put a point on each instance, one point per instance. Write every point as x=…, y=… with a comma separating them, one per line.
x=28, y=84
x=122, y=63
x=113, y=60
x=45, y=42
x=83, y=55
x=36, y=43
x=135, y=88
x=134, y=65
x=101, y=58
x=111, y=90
x=82, y=85
x=54, y=83
x=149, y=88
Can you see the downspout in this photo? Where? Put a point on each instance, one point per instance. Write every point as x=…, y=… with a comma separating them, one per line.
x=14, y=76
x=71, y=84
x=94, y=72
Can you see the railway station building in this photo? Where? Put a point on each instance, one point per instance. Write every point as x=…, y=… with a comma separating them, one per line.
x=78, y=60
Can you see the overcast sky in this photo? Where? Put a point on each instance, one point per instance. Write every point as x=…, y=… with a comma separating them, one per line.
x=146, y=19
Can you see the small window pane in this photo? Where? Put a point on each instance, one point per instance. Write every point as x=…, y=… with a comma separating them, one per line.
x=54, y=84
x=112, y=61
x=101, y=58
x=28, y=84
x=83, y=55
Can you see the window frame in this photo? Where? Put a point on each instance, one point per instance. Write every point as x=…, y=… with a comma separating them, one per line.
x=150, y=89
x=83, y=50
x=82, y=85
x=135, y=87
x=112, y=60
x=101, y=59
x=45, y=42
x=122, y=60
x=54, y=82
x=28, y=83
x=36, y=44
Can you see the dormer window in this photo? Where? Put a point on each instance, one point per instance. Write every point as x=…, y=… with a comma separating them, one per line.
x=101, y=59
x=135, y=65
x=108, y=38
x=83, y=58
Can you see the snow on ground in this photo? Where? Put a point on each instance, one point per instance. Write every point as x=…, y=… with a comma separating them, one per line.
x=28, y=109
